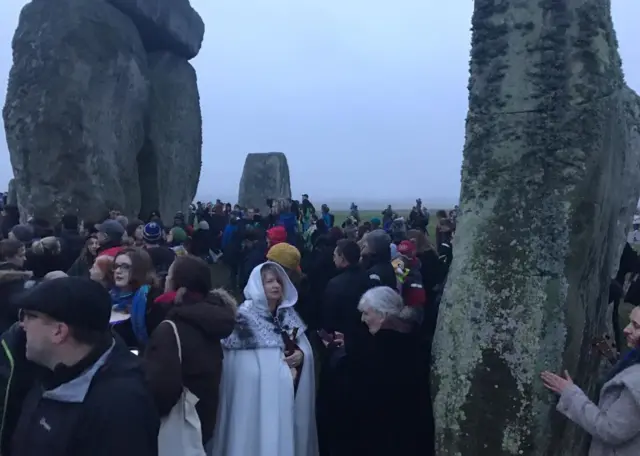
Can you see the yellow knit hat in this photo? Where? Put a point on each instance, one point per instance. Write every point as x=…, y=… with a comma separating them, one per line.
x=285, y=255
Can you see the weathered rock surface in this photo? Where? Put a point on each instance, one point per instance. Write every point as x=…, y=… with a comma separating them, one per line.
x=265, y=175
x=551, y=168
x=166, y=25
x=170, y=162
x=75, y=106
x=12, y=195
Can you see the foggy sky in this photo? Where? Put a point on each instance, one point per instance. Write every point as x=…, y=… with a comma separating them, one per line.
x=355, y=93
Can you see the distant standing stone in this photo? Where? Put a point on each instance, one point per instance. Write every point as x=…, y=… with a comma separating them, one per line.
x=265, y=176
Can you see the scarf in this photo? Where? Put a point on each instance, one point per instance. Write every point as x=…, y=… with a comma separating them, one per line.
x=631, y=358
x=136, y=304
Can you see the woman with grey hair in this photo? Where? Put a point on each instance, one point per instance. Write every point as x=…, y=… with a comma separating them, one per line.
x=377, y=305
x=388, y=384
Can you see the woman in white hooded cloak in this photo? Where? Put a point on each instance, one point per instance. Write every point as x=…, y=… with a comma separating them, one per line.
x=261, y=412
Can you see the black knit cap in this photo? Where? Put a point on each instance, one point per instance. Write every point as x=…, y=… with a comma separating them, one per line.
x=76, y=301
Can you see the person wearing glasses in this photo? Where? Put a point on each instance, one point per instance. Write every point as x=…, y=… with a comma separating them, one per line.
x=89, y=395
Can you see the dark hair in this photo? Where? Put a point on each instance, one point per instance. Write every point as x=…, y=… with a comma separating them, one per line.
x=132, y=226
x=362, y=230
x=191, y=273
x=142, y=270
x=9, y=248
x=85, y=254
x=441, y=214
x=349, y=250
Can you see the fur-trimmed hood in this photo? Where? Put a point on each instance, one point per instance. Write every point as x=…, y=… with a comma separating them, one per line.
x=11, y=273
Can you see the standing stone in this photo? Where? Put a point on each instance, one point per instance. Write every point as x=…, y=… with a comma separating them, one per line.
x=74, y=112
x=166, y=25
x=264, y=176
x=550, y=166
x=171, y=159
x=12, y=196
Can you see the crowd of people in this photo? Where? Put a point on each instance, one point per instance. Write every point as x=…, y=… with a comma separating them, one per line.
x=320, y=337
x=115, y=342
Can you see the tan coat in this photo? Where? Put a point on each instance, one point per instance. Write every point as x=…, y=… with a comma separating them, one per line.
x=614, y=423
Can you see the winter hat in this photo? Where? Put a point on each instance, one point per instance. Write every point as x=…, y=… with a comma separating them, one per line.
x=179, y=235
x=277, y=234
x=77, y=301
x=203, y=225
x=285, y=255
x=111, y=228
x=375, y=222
x=23, y=233
x=152, y=233
x=407, y=248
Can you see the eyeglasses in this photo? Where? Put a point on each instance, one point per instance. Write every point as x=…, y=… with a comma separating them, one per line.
x=27, y=315
x=123, y=266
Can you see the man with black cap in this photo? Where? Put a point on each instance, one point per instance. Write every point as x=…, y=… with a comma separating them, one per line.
x=92, y=399
x=110, y=233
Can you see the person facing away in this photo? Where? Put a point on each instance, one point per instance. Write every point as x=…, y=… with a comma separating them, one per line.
x=614, y=423
x=91, y=398
x=202, y=317
x=267, y=393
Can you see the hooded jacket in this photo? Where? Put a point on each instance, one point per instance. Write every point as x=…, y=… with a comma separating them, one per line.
x=614, y=424
x=201, y=324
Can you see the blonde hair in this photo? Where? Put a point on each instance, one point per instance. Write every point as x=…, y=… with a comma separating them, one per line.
x=49, y=244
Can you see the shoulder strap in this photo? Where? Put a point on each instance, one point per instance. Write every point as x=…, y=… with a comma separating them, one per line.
x=175, y=331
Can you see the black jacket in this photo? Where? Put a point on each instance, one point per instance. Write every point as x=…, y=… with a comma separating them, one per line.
x=380, y=270
x=72, y=244
x=340, y=301
x=110, y=413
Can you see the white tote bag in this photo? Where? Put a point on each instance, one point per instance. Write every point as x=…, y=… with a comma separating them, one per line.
x=180, y=432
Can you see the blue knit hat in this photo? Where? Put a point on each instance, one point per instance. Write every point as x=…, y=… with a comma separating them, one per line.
x=152, y=233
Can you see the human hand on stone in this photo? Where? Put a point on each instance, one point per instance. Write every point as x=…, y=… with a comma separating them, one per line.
x=556, y=383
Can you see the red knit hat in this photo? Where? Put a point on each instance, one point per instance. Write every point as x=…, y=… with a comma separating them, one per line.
x=408, y=249
x=277, y=235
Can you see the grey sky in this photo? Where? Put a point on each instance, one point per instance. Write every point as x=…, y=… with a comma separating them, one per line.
x=350, y=91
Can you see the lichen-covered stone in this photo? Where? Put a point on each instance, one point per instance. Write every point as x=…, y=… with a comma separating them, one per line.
x=166, y=25
x=551, y=170
x=265, y=175
x=169, y=163
x=75, y=107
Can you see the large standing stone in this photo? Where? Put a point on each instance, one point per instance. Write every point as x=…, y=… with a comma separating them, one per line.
x=265, y=175
x=12, y=195
x=166, y=25
x=74, y=113
x=550, y=166
x=170, y=162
